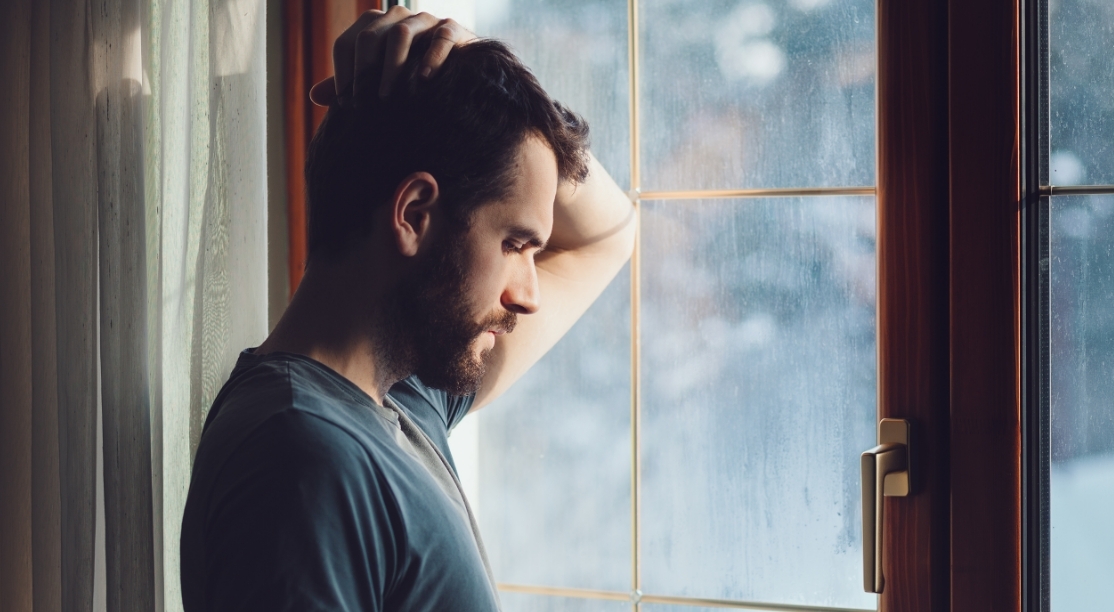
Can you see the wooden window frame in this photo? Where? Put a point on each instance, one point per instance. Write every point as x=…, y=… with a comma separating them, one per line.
x=950, y=350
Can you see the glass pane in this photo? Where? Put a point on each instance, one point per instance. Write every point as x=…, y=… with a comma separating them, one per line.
x=678, y=608
x=578, y=50
x=1082, y=92
x=555, y=459
x=748, y=94
x=759, y=396
x=1082, y=409
x=517, y=602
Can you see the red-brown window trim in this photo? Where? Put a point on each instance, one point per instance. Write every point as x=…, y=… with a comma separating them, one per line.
x=309, y=28
x=949, y=297
x=913, y=316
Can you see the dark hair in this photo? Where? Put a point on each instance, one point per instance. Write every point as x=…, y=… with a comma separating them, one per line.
x=464, y=126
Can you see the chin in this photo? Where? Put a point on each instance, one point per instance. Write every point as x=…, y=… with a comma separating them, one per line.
x=463, y=377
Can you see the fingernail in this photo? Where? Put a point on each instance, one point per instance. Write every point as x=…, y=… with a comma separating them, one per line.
x=428, y=70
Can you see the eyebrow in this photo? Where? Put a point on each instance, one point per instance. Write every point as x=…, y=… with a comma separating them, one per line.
x=528, y=236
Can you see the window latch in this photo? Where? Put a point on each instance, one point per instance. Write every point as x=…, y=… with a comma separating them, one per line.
x=885, y=473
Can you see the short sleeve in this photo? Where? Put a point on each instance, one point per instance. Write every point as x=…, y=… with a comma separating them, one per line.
x=412, y=394
x=299, y=519
x=457, y=407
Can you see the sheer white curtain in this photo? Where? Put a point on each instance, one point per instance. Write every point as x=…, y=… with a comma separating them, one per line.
x=134, y=268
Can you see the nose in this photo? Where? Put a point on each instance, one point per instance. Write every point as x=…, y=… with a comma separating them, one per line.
x=521, y=294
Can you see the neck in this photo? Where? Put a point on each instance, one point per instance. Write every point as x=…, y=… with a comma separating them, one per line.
x=332, y=319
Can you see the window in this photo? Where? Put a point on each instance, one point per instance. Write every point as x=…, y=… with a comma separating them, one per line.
x=696, y=436
x=1076, y=253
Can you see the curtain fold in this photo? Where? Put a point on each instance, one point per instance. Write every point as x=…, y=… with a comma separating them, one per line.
x=46, y=499
x=134, y=260
x=16, y=424
x=73, y=188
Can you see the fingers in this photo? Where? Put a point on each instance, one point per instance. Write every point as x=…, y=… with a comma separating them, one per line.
x=385, y=39
x=447, y=35
x=369, y=48
x=344, y=50
x=397, y=47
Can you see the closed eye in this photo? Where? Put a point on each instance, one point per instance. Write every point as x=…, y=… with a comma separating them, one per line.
x=519, y=239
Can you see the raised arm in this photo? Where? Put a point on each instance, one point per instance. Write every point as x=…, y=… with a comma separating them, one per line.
x=593, y=236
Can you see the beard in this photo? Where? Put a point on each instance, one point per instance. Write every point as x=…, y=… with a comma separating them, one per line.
x=434, y=326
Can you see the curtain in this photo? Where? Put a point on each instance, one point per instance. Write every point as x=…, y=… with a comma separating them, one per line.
x=133, y=254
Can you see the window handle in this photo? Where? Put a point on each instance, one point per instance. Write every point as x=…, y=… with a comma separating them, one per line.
x=885, y=473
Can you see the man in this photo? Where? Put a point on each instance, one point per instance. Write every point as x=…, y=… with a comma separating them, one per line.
x=451, y=203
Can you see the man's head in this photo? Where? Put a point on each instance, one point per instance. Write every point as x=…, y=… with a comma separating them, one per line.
x=464, y=127
x=477, y=153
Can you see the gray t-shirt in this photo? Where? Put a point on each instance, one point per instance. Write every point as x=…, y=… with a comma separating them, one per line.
x=307, y=495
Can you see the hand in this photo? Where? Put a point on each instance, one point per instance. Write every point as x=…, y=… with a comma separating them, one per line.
x=377, y=37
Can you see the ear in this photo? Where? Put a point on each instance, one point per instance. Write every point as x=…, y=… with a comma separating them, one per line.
x=411, y=211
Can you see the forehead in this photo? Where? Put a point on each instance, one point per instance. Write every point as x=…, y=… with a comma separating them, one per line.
x=529, y=200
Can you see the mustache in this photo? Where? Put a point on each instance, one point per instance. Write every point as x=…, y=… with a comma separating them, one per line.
x=504, y=321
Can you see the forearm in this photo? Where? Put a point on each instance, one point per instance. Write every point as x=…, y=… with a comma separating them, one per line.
x=595, y=216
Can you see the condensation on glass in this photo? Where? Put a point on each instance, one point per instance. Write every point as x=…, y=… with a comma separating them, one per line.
x=1081, y=478
x=757, y=94
x=555, y=462
x=1081, y=273
x=757, y=315
x=1081, y=92
x=759, y=395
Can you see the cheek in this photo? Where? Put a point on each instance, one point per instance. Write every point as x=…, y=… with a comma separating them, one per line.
x=487, y=280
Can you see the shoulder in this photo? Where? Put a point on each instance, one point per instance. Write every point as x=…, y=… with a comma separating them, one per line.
x=291, y=458
x=276, y=425
x=277, y=397
x=307, y=440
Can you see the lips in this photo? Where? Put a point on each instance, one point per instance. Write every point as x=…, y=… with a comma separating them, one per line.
x=499, y=323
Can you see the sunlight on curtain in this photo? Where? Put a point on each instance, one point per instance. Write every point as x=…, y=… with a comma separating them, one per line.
x=207, y=171
x=136, y=139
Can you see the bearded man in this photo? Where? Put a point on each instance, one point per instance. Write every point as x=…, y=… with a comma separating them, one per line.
x=458, y=227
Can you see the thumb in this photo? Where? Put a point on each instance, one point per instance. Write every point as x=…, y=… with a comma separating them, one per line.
x=323, y=93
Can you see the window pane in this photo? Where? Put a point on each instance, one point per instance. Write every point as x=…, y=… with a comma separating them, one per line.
x=759, y=395
x=747, y=94
x=673, y=608
x=1082, y=92
x=578, y=50
x=555, y=459
x=1082, y=410
x=517, y=602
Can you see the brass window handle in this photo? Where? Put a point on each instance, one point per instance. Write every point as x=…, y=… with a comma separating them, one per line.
x=885, y=473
